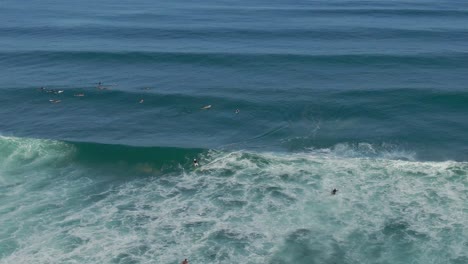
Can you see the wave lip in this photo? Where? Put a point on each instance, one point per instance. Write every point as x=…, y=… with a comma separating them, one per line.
x=20, y=154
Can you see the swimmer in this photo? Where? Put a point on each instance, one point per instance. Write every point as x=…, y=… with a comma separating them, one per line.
x=206, y=107
x=141, y=101
x=195, y=163
x=185, y=261
x=334, y=191
x=237, y=111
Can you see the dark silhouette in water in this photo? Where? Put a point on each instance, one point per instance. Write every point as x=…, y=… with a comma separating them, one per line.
x=334, y=191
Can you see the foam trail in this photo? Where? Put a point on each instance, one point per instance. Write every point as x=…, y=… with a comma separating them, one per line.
x=242, y=207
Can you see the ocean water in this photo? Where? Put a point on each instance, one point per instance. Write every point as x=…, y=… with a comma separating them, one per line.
x=368, y=97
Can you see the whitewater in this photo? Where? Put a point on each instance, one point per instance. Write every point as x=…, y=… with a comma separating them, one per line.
x=237, y=207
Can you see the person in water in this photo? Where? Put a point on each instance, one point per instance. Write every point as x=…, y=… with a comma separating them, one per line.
x=334, y=191
x=185, y=261
x=195, y=162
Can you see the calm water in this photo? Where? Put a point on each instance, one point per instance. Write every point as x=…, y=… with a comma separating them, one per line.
x=369, y=97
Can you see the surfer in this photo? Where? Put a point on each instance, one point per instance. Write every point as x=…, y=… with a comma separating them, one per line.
x=195, y=162
x=237, y=111
x=185, y=261
x=101, y=86
x=334, y=191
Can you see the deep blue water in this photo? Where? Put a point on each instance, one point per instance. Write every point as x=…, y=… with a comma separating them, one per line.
x=369, y=97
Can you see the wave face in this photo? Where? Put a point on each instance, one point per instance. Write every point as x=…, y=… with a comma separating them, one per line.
x=369, y=97
x=94, y=203
x=430, y=123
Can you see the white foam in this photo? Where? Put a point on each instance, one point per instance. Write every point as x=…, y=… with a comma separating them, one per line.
x=245, y=207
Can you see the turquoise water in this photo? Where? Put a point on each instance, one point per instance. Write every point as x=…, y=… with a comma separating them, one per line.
x=366, y=97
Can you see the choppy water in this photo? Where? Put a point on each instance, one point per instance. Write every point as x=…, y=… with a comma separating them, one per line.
x=367, y=97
